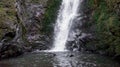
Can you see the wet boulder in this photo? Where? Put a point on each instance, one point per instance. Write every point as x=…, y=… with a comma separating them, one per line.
x=10, y=50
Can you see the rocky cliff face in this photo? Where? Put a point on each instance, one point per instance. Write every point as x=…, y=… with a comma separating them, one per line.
x=28, y=25
x=22, y=24
x=29, y=16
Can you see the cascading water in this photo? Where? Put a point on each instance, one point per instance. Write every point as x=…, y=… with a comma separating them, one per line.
x=67, y=14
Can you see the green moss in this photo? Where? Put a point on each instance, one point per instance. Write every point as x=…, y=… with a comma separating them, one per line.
x=107, y=25
x=1, y=34
x=117, y=49
x=50, y=15
x=7, y=10
x=7, y=16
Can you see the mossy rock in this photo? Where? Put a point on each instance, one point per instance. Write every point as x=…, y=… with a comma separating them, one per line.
x=7, y=16
x=107, y=25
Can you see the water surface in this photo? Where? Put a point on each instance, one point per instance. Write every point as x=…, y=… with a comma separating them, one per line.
x=59, y=59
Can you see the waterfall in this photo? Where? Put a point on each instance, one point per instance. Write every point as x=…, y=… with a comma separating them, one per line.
x=67, y=14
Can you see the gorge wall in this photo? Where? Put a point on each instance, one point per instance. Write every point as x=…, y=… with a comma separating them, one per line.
x=28, y=25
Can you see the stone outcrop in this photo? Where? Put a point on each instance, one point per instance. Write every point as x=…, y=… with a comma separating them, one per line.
x=23, y=23
x=8, y=50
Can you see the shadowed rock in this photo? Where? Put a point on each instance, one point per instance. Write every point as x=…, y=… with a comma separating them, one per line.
x=10, y=50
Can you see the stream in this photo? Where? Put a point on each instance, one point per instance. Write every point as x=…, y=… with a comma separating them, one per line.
x=59, y=59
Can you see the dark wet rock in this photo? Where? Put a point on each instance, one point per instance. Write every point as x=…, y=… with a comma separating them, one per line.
x=5, y=65
x=71, y=55
x=80, y=42
x=27, y=49
x=53, y=55
x=117, y=57
x=39, y=46
x=42, y=43
x=8, y=36
x=10, y=50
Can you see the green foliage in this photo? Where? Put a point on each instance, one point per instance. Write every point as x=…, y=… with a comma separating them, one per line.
x=50, y=15
x=107, y=25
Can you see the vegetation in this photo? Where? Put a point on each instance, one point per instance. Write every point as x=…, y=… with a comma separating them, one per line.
x=7, y=16
x=106, y=16
x=50, y=15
